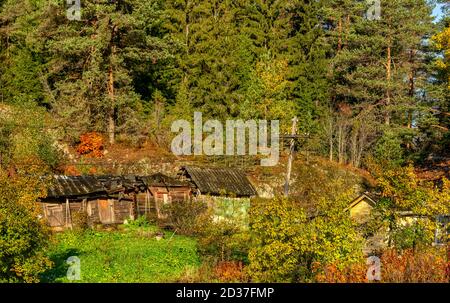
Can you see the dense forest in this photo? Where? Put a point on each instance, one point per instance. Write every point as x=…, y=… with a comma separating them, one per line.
x=363, y=90
x=372, y=97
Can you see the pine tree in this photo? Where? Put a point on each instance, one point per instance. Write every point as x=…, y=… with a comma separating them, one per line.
x=213, y=59
x=371, y=64
x=21, y=78
x=92, y=61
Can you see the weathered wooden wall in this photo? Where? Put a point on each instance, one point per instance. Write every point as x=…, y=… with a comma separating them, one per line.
x=114, y=210
x=117, y=211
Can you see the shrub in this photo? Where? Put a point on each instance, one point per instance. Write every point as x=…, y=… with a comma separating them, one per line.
x=29, y=143
x=223, y=241
x=80, y=220
x=91, y=145
x=23, y=237
x=414, y=266
x=287, y=244
x=184, y=216
x=334, y=273
x=410, y=237
x=425, y=265
x=230, y=271
x=141, y=221
x=402, y=190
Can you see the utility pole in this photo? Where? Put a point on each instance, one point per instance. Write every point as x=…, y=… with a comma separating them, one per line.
x=291, y=156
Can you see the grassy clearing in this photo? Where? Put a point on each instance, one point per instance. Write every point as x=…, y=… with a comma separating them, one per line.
x=132, y=254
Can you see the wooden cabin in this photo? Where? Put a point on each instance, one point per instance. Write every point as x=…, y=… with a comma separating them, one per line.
x=360, y=208
x=161, y=190
x=226, y=190
x=109, y=199
x=218, y=182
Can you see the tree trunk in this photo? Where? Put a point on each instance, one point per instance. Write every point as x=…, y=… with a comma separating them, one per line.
x=111, y=91
x=347, y=31
x=388, y=91
x=341, y=142
x=412, y=86
x=291, y=157
x=340, y=34
x=354, y=151
x=331, y=140
x=112, y=108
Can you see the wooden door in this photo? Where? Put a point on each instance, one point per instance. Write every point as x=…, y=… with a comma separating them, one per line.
x=55, y=215
x=106, y=211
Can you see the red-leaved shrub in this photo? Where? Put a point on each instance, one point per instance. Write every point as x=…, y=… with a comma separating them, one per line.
x=91, y=145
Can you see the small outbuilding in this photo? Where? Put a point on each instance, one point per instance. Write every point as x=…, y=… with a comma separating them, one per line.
x=218, y=181
x=361, y=208
x=225, y=190
x=109, y=199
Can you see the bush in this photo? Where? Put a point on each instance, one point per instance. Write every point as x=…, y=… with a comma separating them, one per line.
x=23, y=237
x=80, y=221
x=426, y=265
x=91, y=145
x=223, y=241
x=410, y=237
x=335, y=273
x=30, y=144
x=222, y=244
x=414, y=266
x=230, y=271
x=184, y=216
x=141, y=221
x=287, y=244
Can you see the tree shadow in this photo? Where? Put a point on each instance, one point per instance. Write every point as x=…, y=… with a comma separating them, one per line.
x=60, y=266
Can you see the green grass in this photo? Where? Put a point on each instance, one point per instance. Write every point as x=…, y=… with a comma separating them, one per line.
x=130, y=255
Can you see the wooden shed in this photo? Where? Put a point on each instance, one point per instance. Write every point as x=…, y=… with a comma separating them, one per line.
x=161, y=190
x=361, y=208
x=109, y=199
x=225, y=190
x=218, y=181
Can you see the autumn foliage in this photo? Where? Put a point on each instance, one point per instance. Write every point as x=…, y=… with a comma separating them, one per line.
x=91, y=145
x=428, y=266
x=332, y=273
x=230, y=271
x=23, y=237
x=409, y=266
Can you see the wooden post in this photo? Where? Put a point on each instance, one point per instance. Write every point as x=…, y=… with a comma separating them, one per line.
x=147, y=202
x=291, y=156
x=68, y=215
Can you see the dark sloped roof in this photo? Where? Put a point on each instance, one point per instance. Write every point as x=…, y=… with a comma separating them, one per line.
x=120, y=183
x=163, y=181
x=81, y=186
x=364, y=197
x=217, y=181
x=73, y=186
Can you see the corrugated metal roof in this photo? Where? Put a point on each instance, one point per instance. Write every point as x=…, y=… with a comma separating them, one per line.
x=219, y=181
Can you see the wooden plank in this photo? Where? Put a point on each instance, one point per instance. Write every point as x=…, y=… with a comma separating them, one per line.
x=55, y=215
x=105, y=211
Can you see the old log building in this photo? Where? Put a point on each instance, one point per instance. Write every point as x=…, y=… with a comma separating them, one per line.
x=109, y=199
x=115, y=199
